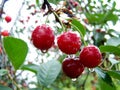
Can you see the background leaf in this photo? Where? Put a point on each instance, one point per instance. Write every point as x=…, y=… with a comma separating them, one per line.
x=37, y=2
x=30, y=67
x=35, y=89
x=16, y=50
x=105, y=77
x=105, y=86
x=4, y=88
x=111, y=49
x=48, y=72
x=114, y=41
x=96, y=18
x=54, y=1
x=3, y=72
x=114, y=74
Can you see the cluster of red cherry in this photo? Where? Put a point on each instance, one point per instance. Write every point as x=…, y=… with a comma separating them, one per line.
x=69, y=43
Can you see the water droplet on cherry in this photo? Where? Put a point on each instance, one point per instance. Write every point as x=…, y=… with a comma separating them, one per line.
x=43, y=51
x=74, y=79
x=91, y=69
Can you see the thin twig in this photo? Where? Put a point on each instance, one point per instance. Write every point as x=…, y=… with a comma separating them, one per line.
x=11, y=30
x=59, y=21
x=83, y=84
x=10, y=77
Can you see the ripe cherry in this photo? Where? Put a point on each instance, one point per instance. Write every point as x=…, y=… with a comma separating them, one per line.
x=72, y=67
x=90, y=56
x=69, y=42
x=5, y=33
x=8, y=19
x=43, y=37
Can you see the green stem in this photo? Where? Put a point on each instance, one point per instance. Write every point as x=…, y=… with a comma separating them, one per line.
x=82, y=37
x=46, y=19
x=60, y=21
x=14, y=82
x=83, y=85
x=42, y=88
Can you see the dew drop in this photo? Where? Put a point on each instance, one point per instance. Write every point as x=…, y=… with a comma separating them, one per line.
x=74, y=79
x=43, y=51
x=91, y=69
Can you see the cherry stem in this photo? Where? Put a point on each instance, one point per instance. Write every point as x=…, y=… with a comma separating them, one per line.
x=83, y=85
x=46, y=19
x=82, y=37
x=47, y=3
x=60, y=21
x=51, y=10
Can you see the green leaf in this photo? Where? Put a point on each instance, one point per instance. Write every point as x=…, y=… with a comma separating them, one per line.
x=105, y=86
x=3, y=72
x=37, y=2
x=114, y=74
x=105, y=77
x=112, y=17
x=30, y=67
x=4, y=88
x=79, y=27
x=16, y=50
x=97, y=18
x=113, y=32
x=48, y=72
x=111, y=49
x=98, y=38
x=114, y=41
x=34, y=89
x=54, y=1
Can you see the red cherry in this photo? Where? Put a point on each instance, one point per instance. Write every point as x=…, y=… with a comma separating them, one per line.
x=72, y=67
x=90, y=56
x=69, y=42
x=8, y=19
x=43, y=37
x=5, y=33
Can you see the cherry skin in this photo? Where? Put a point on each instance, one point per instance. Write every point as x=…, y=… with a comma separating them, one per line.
x=5, y=33
x=43, y=37
x=8, y=19
x=69, y=42
x=90, y=56
x=72, y=67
